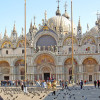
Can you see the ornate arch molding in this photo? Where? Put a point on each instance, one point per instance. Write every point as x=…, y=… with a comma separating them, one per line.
x=88, y=36
x=39, y=68
x=44, y=52
x=91, y=58
x=69, y=58
x=8, y=42
x=22, y=41
x=69, y=36
x=17, y=60
x=43, y=34
x=4, y=61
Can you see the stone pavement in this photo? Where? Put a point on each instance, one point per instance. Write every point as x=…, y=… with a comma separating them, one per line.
x=73, y=93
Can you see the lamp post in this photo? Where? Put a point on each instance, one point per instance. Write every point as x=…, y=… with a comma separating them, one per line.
x=72, y=42
x=25, y=40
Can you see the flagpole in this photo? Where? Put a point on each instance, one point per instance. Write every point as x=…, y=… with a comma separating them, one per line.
x=72, y=42
x=25, y=40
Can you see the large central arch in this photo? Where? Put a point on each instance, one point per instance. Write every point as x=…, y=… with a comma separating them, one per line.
x=45, y=65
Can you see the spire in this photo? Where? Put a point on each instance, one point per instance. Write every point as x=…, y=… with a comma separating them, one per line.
x=43, y=21
x=31, y=25
x=34, y=26
x=79, y=24
x=22, y=31
x=66, y=14
x=14, y=28
x=45, y=16
x=87, y=27
x=58, y=11
x=34, y=20
x=98, y=15
x=79, y=28
x=98, y=21
x=5, y=34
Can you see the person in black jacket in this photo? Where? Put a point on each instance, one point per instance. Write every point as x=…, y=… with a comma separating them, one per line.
x=81, y=84
x=95, y=83
x=22, y=86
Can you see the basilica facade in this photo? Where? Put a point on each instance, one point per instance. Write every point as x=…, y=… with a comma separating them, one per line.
x=49, y=51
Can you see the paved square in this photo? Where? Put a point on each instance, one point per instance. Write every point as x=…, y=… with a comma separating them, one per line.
x=73, y=93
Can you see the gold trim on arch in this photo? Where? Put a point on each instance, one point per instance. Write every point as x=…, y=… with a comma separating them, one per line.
x=88, y=37
x=70, y=38
x=21, y=41
x=8, y=43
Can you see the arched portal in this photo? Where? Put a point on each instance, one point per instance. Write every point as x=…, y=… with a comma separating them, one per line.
x=4, y=70
x=45, y=66
x=19, y=69
x=68, y=69
x=90, y=69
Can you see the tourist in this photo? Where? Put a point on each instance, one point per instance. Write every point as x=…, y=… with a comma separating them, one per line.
x=66, y=84
x=60, y=83
x=13, y=82
x=44, y=85
x=49, y=85
x=54, y=87
x=25, y=88
x=98, y=83
x=22, y=86
x=95, y=83
x=81, y=84
x=63, y=85
x=85, y=82
x=38, y=83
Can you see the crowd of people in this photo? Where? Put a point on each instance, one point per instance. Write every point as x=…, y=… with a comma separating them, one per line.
x=97, y=83
x=43, y=83
x=50, y=84
x=15, y=82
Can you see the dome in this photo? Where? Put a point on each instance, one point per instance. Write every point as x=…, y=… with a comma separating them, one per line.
x=57, y=21
x=66, y=15
x=94, y=30
x=58, y=12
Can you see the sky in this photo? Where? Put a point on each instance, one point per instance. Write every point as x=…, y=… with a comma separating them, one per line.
x=13, y=11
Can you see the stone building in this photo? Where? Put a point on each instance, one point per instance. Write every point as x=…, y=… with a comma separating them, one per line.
x=49, y=51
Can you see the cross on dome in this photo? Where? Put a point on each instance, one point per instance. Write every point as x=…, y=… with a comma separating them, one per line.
x=58, y=11
x=65, y=6
x=58, y=3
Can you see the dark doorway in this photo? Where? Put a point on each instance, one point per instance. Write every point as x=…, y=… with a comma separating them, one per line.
x=46, y=76
x=70, y=78
x=22, y=77
x=90, y=78
x=6, y=77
